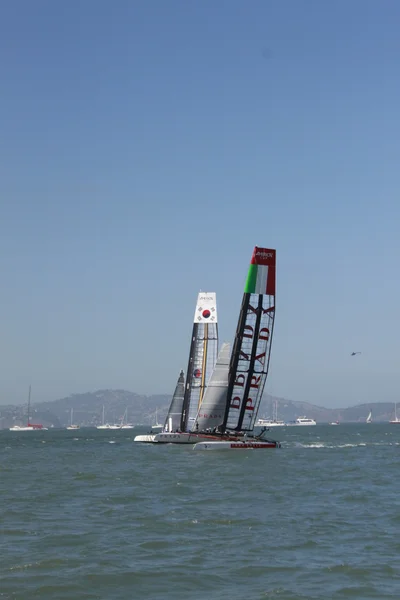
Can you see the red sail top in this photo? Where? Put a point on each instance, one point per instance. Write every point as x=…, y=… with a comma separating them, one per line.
x=263, y=256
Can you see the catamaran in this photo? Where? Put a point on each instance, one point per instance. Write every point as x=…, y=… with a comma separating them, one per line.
x=29, y=426
x=239, y=394
x=179, y=426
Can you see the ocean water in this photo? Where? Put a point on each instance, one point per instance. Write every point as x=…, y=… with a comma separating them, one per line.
x=88, y=514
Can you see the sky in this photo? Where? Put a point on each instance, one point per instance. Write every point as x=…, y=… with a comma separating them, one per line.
x=148, y=146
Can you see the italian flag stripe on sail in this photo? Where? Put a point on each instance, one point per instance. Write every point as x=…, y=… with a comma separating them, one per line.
x=261, y=274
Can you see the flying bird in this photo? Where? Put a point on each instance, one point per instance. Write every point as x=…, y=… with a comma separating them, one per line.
x=354, y=353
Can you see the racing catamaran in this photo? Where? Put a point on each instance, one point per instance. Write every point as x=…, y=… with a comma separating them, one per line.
x=249, y=362
x=179, y=426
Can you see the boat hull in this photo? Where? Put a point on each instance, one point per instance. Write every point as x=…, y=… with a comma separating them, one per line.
x=149, y=438
x=183, y=438
x=16, y=428
x=238, y=445
x=178, y=438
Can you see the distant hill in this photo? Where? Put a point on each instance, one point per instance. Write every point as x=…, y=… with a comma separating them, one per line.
x=144, y=410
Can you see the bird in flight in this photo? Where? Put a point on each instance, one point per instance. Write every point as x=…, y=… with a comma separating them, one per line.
x=354, y=353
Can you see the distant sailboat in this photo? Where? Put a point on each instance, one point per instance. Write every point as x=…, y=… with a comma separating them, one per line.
x=369, y=418
x=126, y=425
x=396, y=419
x=71, y=425
x=157, y=426
x=106, y=425
x=29, y=426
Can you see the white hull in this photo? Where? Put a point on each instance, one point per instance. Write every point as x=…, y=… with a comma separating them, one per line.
x=302, y=422
x=176, y=438
x=108, y=427
x=127, y=426
x=73, y=427
x=183, y=438
x=244, y=445
x=18, y=428
x=149, y=438
x=268, y=423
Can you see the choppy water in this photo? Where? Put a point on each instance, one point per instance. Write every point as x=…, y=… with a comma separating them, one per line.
x=90, y=515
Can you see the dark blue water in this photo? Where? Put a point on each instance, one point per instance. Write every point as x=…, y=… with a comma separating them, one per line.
x=88, y=514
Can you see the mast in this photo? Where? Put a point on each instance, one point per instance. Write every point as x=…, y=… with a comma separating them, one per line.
x=252, y=347
x=29, y=405
x=202, y=357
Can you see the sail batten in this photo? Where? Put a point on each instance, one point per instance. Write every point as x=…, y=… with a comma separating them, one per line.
x=252, y=347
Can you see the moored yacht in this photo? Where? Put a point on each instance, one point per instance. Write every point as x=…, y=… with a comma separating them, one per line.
x=29, y=426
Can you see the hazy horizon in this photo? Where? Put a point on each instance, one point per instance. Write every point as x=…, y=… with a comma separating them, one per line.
x=148, y=147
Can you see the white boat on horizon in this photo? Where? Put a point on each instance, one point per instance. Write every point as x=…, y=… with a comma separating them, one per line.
x=71, y=426
x=126, y=425
x=301, y=422
x=157, y=426
x=107, y=425
x=29, y=426
x=274, y=422
x=396, y=420
x=270, y=423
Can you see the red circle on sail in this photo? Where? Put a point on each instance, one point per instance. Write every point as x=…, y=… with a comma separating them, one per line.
x=206, y=313
x=197, y=373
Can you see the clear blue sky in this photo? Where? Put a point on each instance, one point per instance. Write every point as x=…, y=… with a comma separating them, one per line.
x=148, y=145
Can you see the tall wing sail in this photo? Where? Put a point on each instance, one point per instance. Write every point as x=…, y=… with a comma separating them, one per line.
x=202, y=356
x=252, y=346
x=173, y=420
x=212, y=410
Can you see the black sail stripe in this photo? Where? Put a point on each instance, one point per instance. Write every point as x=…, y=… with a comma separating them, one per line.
x=235, y=355
x=251, y=363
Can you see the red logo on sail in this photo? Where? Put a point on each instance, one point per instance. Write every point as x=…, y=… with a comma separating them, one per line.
x=206, y=314
x=197, y=373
